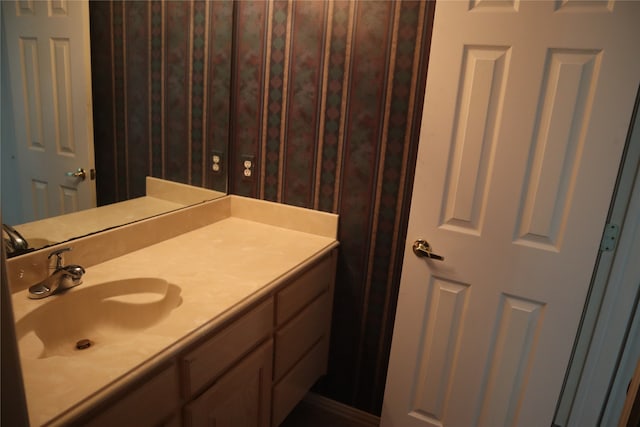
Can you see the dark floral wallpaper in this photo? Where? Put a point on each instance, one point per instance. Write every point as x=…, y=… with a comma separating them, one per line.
x=161, y=92
x=324, y=96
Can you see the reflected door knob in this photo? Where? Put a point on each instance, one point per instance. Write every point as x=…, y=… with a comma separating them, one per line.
x=80, y=173
x=422, y=249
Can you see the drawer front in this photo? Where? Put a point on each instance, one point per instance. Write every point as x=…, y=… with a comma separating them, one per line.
x=304, y=289
x=298, y=336
x=214, y=356
x=148, y=404
x=292, y=388
x=241, y=397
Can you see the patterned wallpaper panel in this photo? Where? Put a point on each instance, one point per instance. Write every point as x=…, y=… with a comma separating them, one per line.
x=161, y=74
x=326, y=99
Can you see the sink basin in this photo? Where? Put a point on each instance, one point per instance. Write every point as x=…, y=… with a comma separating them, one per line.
x=102, y=314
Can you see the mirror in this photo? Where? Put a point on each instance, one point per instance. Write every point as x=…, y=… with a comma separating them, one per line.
x=160, y=83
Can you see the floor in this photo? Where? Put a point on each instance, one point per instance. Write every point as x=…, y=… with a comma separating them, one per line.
x=306, y=415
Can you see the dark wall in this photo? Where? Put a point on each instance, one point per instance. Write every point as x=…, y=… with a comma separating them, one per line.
x=161, y=74
x=326, y=99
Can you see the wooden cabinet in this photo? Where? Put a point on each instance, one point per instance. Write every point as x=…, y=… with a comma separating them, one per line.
x=250, y=372
x=293, y=297
x=292, y=388
x=150, y=402
x=303, y=325
x=228, y=375
x=219, y=352
x=240, y=398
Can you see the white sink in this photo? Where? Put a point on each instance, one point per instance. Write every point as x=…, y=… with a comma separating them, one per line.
x=102, y=314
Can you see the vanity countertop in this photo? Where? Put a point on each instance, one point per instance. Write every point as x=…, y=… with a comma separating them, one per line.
x=220, y=269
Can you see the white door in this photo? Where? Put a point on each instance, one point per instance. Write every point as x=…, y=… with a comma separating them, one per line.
x=50, y=76
x=526, y=111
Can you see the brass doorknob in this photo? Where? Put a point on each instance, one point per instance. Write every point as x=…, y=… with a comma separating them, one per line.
x=422, y=248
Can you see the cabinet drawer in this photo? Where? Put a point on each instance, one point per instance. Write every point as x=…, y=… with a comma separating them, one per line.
x=296, y=337
x=146, y=405
x=206, y=362
x=304, y=289
x=241, y=397
x=292, y=388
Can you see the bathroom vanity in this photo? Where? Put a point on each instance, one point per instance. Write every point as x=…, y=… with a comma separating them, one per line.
x=217, y=314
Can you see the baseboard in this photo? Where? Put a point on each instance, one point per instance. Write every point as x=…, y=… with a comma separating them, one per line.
x=356, y=416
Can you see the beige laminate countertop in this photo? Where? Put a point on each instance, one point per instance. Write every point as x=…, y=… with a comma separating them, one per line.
x=161, y=197
x=219, y=268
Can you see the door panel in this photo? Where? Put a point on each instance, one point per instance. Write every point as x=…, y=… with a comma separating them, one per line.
x=479, y=110
x=516, y=330
x=439, y=345
x=527, y=106
x=564, y=108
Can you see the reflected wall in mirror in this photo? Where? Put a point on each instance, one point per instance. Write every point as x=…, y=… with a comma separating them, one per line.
x=160, y=83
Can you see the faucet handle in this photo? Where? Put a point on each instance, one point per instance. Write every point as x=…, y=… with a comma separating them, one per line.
x=58, y=253
x=75, y=273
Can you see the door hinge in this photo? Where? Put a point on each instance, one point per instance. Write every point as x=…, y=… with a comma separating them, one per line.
x=609, y=237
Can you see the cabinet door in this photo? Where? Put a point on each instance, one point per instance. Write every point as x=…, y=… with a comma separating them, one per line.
x=240, y=398
x=303, y=289
x=218, y=353
x=296, y=338
x=146, y=404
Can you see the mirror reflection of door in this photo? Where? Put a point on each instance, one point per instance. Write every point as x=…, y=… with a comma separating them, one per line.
x=47, y=115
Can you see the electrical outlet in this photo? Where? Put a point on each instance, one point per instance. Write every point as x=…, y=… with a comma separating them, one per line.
x=216, y=162
x=248, y=166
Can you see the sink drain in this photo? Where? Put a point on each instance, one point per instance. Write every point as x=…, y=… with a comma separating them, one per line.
x=84, y=344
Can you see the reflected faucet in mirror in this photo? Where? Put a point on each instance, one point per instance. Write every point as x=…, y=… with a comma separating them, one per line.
x=14, y=243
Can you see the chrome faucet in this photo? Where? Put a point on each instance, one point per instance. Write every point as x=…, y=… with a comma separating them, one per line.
x=62, y=278
x=14, y=243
